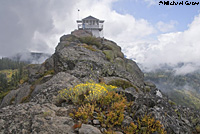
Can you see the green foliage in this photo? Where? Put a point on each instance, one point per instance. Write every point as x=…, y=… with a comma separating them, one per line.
x=6, y=63
x=3, y=94
x=85, y=112
x=3, y=82
x=90, y=40
x=11, y=78
x=108, y=109
x=182, y=89
x=85, y=92
x=145, y=125
x=121, y=83
x=115, y=105
x=198, y=128
x=49, y=72
x=187, y=98
x=172, y=103
x=47, y=113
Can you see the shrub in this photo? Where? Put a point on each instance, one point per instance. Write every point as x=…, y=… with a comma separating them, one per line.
x=115, y=105
x=145, y=125
x=85, y=112
x=85, y=92
x=108, y=107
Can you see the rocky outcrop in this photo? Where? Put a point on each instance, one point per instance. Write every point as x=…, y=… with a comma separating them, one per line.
x=16, y=96
x=47, y=92
x=78, y=58
x=101, y=58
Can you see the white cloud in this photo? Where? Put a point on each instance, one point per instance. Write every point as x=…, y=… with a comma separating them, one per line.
x=172, y=48
x=152, y=2
x=37, y=25
x=166, y=27
x=185, y=69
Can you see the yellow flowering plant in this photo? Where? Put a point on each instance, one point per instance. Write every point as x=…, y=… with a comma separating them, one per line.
x=85, y=92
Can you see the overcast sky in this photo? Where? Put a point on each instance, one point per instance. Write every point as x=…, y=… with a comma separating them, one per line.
x=149, y=33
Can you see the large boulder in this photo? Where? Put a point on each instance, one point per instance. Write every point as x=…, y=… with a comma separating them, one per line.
x=16, y=96
x=89, y=129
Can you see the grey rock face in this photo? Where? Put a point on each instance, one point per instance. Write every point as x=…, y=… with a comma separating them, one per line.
x=74, y=62
x=44, y=93
x=16, y=96
x=81, y=33
x=8, y=99
x=34, y=118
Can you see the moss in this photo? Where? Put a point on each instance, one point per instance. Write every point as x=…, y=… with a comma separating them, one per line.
x=12, y=100
x=109, y=55
x=89, y=47
x=119, y=62
x=171, y=103
x=36, y=82
x=47, y=113
x=120, y=83
x=147, y=89
x=3, y=94
x=197, y=128
x=90, y=40
x=49, y=72
x=26, y=98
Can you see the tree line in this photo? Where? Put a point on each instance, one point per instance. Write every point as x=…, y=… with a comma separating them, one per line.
x=6, y=63
x=5, y=82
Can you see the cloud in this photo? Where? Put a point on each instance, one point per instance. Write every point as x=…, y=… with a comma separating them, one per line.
x=166, y=27
x=28, y=24
x=185, y=69
x=155, y=2
x=171, y=49
x=152, y=2
x=33, y=25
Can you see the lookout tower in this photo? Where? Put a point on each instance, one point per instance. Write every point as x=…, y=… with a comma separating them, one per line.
x=91, y=24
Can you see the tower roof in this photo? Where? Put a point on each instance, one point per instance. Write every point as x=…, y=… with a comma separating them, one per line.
x=90, y=18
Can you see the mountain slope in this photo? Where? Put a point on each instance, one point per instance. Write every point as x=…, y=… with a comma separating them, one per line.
x=182, y=89
x=135, y=106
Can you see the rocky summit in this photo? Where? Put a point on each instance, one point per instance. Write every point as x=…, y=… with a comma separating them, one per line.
x=34, y=107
